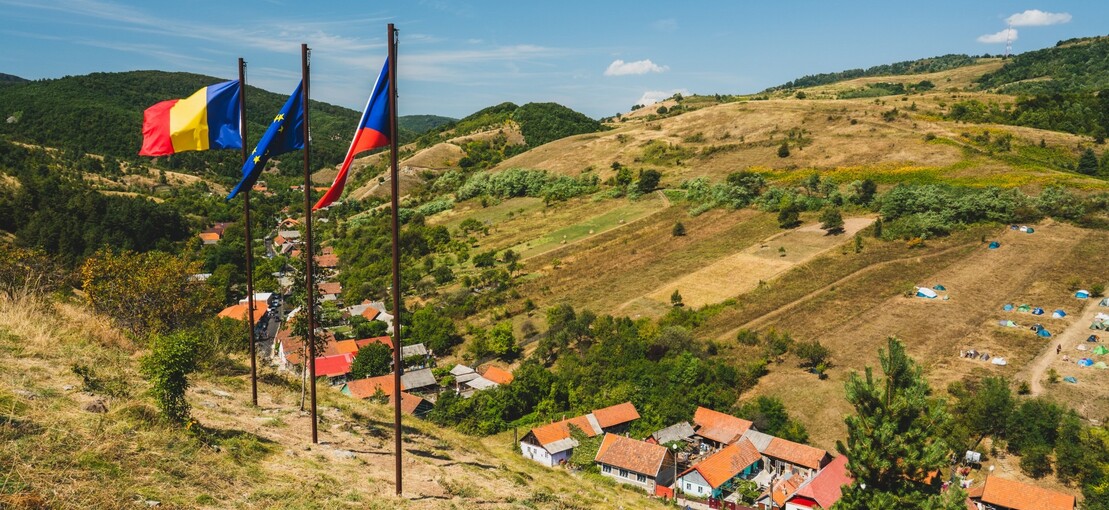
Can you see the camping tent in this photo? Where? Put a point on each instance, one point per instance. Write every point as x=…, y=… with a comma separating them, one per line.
x=1085, y=362
x=939, y=287
x=1071, y=379
x=1030, y=230
x=995, y=245
x=1044, y=333
x=1092, y=338
x=1024, y=308
x=999, y=361
x=1082, y=294
x=1058, y=314
x=1038, y=311
x=1008, y=307
x=1104, y=302
x=1022, y=228
x=1008, y=324
x=1081, y=347
x=1101, y=350
x=925, y=292
x=1101, y=365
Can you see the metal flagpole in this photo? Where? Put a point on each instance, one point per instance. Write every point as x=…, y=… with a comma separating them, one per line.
x=310, y=288
x=249, y=242
x=394, y=180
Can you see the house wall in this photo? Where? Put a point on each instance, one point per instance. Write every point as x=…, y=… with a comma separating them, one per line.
x=542, y=456
x=695, y=485
x=779, y=466
x=624, y=476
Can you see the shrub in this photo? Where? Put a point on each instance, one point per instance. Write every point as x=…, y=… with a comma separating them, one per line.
x=679, y=229
x=171, y=360
x=783, y=150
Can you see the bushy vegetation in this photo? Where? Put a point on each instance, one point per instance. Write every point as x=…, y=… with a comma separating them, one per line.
x=1078, y=112
x=886, y=89
x=920, y=66
x=520, y=182
x=539, y=123
x=1073, y=66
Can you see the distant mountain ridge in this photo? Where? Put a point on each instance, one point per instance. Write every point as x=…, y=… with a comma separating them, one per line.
x=6, y=79
x=918, y=66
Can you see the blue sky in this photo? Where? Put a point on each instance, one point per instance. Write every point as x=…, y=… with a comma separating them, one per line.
x=598, y=57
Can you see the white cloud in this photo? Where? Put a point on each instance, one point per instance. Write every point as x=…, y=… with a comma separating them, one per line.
x=1037, y=18
x=653, y=96
x=1009, y=34
x=620, y=68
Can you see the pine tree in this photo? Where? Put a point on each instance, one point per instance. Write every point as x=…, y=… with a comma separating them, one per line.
x=783, y=150
x=1087, y=163
x=893, y=439
x=679, y=230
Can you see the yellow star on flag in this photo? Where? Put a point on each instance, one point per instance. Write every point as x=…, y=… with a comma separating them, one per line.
x=279, y=117
x=257, y=159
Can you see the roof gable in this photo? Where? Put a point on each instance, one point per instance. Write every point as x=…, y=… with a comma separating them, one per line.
x=796, y=453
x=498, y=375
x=719, y=427
x=727, y=463
x=616, y=415
x=635, y=456
x=827, y=486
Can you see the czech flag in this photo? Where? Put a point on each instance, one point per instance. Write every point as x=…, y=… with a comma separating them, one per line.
x=373, y=132
x=208, y=119
x=285, y=134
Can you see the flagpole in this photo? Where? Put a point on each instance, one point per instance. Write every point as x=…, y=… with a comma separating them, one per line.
x=249, y=243
x=393, y=135
x=308, y=254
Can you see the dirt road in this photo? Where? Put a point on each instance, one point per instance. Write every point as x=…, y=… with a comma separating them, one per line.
x=1069, y=339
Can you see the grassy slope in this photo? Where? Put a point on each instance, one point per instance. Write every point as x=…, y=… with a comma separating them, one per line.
x=56, y=455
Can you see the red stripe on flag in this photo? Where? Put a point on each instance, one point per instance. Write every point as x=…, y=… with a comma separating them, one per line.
x=365, y=140
x=156, y=140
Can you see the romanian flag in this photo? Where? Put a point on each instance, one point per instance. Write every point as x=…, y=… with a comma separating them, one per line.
x=285, y=134
x=208, y=119
x=373, y=132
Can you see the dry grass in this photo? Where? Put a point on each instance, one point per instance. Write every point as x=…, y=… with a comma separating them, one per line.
x=55, y=455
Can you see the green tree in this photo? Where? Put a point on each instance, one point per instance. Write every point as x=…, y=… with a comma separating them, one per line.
x=648, y=180
x=878, y=228
x=585, y=453
x=676, y=298
x=679, y=230
x=172, y=358
x=769, y=415
x=789, y=214
x=1087, y=162
x=371, y=361
x=434, y=330
x=831, y=221
x=501, y=342
x=783, y=150
x=813, y=354
x=985, y=412
x=1104, y=168
x=893, y=439
x=485, y=259
x=1070, y=451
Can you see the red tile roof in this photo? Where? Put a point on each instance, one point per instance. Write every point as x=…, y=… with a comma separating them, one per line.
x=826, y=487
x=636, y=456
x=238, y=312
x=1021, y=496
x=726, y=463
x=330, y=287
x=408, y=402
x=388, y=341
x=616, y=415
x=328, y=261
x=719, y=427
x=560, y=430
x=333, y=366
x=796, y=453
x=498, y=375
x=366, y=388
x=785, y=488
x=370, y=313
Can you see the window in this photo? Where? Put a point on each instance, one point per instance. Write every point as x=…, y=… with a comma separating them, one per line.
x=606, y=468
x=641, y=478
x=624, y=473
x=688, y=486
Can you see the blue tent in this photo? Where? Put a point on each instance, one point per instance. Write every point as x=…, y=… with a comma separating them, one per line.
x=925, y=292
x=939, y=287
x=1058, y=314
x=1071, y=379
x=1085, y=362
x=1038, y=311
x=1044, y=333
x=1008, y=307
x=995, y=245
x=1082, y=294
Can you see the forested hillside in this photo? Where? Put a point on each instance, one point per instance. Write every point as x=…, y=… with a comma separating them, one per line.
x=1071, y=66
x=919, y=66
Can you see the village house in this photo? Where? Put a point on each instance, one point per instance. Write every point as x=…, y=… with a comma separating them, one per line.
x=330, y=291
x=370, y=386
x=415, y=356
x=239, y=312
x=335, y=368
x=214, y=234
x=1001, y=494
x=498, y=375
x=788, y=457
x=715, y=477
x=716, y=429
x=551, y=444
x=822, y=490
x=420, y=381
x=637, y=463
x=678, y=432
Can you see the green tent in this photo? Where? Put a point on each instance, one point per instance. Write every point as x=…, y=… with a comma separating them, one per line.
x=1024, y=308
x=1101, y=350
x=1101, y=365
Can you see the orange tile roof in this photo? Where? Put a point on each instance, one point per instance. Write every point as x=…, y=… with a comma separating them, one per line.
x=560, y=430
x=796, y=453
x=615, y=415
x=238, y=312
x=210, y=236
x=330, y=287
x=366, y=388
x=786, y=488
x=498, y=375
x=388, y=341
x=328, y=261
x=636, y=456
x=345, y=346
x=726, y=463
x=408, y=402
x=1021, y=496
x=719, y=427
x=371, y=313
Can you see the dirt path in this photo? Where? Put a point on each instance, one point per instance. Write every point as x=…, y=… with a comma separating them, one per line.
x=1075, y=334
x=794, y=304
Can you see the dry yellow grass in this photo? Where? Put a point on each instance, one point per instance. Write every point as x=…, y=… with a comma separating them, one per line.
x=56, y=455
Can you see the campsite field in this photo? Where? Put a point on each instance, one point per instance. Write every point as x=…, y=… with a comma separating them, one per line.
x=854, y=315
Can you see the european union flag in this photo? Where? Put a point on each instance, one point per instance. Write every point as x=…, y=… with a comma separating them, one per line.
x=285, y=134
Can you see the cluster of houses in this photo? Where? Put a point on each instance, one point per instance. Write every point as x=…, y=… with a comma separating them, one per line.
x=713, y=458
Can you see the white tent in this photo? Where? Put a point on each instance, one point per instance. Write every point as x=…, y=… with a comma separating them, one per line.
x=925, y=292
